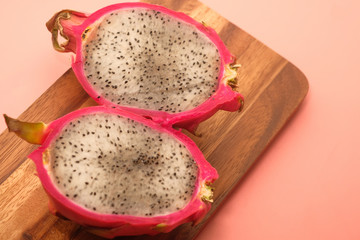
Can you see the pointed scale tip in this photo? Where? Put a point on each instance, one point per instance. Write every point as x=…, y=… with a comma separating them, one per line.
x=31, y=132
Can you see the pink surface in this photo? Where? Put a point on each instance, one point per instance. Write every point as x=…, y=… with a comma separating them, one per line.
x=307, y=184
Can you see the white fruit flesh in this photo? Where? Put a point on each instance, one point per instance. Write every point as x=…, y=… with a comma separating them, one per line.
x=146, y=59
x=110, y=164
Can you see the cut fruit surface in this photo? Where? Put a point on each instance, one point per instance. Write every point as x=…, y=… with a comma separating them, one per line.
x=146, y=59
x=114, y=165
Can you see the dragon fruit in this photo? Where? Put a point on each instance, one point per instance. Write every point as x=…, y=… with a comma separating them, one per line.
x=149, y=60
x=119, y=173
x=122, y=168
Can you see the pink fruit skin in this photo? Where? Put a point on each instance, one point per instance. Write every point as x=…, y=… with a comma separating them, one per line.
x=108, y=225
x=223, y=99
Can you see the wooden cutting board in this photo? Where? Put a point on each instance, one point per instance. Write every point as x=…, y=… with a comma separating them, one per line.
x=273, y=89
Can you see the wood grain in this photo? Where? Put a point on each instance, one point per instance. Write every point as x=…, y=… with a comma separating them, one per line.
x=273, y=89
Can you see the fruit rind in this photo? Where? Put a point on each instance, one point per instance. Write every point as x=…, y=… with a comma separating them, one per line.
x=33, y=133
x=61, y=24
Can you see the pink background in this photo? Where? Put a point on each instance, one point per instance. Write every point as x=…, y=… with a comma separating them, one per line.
x=307, y=184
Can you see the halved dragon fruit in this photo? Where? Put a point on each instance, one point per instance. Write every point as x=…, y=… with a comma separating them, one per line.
x=149, y=60
x=119, y=173
x=121, y=168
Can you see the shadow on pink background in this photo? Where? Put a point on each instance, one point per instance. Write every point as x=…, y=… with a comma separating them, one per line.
x=307, y=184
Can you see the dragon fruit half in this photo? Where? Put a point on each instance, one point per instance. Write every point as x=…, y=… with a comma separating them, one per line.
x=119, y=173
x=149, y=60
